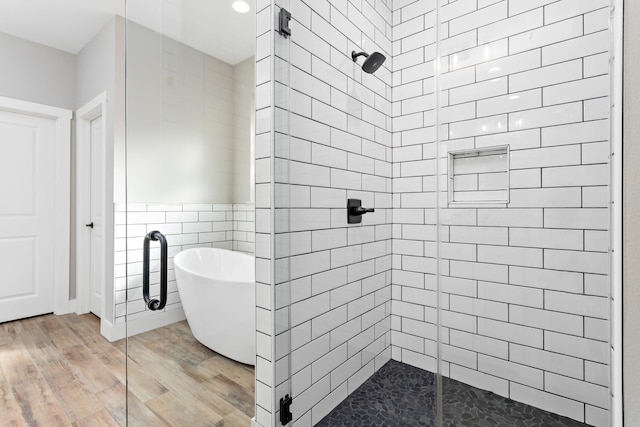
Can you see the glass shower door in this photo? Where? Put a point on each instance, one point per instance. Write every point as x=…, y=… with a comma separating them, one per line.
x=523, y=153
x=189, y=191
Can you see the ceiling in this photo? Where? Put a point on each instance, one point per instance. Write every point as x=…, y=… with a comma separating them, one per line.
x=210, y=26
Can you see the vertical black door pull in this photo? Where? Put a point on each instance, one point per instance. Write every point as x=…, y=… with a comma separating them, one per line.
x=154, y=304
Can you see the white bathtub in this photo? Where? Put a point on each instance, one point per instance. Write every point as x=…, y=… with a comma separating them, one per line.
x=217, y=290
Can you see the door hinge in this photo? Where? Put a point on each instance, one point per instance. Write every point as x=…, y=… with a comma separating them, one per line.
x=285, y=410
x=285, y=17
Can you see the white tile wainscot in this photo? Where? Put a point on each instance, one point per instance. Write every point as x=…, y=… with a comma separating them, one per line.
x=227, y=226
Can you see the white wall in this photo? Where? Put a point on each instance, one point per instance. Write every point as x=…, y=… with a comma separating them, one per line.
x=97, y=65
x=36, y=73
x=243, y=131
x=631, y=214
x=180, y=119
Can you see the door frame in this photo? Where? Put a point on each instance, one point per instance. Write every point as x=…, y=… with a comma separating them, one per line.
x=62, y=196
x=93, y=109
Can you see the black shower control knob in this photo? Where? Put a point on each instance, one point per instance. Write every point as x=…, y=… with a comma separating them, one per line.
x=355, y=211
x=360, y=210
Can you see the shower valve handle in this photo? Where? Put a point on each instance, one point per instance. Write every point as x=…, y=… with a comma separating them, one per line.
x=359, y=210
x=355, y=211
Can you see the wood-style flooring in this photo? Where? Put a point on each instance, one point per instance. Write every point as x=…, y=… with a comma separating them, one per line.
x=59, y=371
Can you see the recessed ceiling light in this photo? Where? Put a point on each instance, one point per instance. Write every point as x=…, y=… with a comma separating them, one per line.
x=240, y=6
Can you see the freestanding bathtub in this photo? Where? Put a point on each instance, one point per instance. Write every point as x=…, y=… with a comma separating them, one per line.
x=217, y=290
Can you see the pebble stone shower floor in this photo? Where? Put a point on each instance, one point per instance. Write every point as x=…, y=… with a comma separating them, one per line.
x=402, y=395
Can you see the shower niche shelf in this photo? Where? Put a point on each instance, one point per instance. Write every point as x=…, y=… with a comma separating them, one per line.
x=478, y=176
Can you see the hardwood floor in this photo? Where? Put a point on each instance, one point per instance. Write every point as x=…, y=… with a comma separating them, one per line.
x=174, y=380
x=59, y=371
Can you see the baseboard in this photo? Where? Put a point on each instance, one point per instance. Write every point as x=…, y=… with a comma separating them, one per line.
x=254, y=423
x=142, y=324
x=112, y=332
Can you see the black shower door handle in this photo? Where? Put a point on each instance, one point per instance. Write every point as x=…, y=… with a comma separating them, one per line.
x=154, y=304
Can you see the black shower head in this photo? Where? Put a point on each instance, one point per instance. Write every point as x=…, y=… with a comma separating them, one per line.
x=372, y=63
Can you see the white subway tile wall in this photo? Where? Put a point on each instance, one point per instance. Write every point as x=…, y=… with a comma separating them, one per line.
x=185, y=226
x=265, y=367
x=332, y=142
x=524, y=284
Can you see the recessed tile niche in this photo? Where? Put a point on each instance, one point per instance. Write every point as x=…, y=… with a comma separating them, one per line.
x=479, y=175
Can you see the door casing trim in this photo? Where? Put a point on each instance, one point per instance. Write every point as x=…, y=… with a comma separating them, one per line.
x=93, y=109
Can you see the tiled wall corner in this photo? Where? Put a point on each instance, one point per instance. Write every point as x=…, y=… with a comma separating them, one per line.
x=525, y=284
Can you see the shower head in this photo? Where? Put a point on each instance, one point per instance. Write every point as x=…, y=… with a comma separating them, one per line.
x=372, y=63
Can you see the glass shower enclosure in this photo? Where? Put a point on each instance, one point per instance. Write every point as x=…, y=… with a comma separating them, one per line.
x=523, y=208
x=483, y=145
x=476, y=286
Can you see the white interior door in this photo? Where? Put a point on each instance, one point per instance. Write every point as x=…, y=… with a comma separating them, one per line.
x=97, y=200
x=27, y=215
